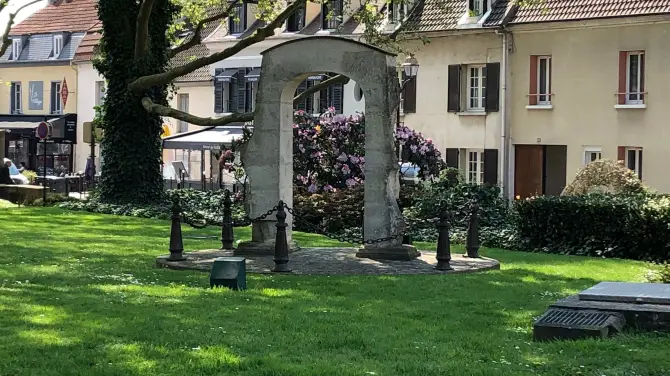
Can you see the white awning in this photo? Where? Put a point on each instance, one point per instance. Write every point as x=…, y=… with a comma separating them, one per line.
x=211, y=138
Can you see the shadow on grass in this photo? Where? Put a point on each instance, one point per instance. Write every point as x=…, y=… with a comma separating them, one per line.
x=286, y=319
x=94, y=305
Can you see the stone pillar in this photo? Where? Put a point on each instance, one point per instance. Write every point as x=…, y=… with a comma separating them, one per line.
x=268, y=162
x=382, y=216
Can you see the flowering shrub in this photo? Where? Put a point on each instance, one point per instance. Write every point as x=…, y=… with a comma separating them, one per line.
x=329, y=151
x=603, y=176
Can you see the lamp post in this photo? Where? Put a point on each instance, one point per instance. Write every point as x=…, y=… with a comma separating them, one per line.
x=410, y=68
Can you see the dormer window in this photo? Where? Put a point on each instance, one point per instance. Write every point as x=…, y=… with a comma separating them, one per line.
x=398, y=10
x=331, y=14
x=58, y=46
x=237, y=22
x=477, y=8
x=296, y=21
x=16, y=49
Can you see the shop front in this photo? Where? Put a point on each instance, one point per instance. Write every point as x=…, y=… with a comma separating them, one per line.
x=19, y=142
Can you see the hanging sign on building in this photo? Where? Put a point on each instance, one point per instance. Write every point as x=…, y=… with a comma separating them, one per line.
x=64, y=92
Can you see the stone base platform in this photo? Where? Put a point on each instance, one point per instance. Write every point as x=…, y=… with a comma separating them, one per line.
x=334, y=261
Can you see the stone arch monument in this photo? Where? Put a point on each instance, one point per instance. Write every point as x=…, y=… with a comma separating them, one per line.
x=268, y=157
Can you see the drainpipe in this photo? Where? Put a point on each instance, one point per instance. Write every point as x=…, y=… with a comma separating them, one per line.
x=504, y=138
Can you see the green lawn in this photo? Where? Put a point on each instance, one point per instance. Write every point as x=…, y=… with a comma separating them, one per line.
x=79, y=296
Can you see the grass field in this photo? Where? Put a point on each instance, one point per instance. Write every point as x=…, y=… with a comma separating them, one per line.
x=79, y=296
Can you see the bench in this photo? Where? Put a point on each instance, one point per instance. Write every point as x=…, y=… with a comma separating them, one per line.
x=20, y=193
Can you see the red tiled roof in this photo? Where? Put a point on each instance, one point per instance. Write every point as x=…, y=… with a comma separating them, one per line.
x=573, y=10
x=60, y=15
x=87, y=46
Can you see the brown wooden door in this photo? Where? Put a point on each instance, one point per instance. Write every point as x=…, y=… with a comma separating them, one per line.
x=528, y=170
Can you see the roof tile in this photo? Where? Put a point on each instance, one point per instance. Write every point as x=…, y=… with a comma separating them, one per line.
x=60, y=15
x=573, y=10
x=436, y=15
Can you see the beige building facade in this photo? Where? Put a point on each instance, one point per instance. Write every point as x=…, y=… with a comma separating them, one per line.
x=574, y=85
x=607, y=99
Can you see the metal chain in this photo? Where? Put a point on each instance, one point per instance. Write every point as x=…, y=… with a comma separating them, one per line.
x=247, y=221
x=350, y=239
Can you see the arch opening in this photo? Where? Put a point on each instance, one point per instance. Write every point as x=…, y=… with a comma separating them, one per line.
x=268, y=157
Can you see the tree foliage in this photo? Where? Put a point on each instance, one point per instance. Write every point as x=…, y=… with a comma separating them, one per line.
x=138, y=75
x=131, y=147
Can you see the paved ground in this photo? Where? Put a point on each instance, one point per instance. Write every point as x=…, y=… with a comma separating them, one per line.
x=334, y=261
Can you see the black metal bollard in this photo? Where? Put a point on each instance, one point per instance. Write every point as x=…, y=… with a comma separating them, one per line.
x=472, y=241
x=227, y=237
x=443, y=243
x=176, y=241
x=281, y=245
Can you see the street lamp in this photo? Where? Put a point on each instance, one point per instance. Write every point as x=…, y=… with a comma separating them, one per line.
x=410, y=69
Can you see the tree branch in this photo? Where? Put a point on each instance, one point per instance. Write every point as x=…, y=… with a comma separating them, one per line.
x=167, y=111
x=340, y=78
x=142, y=29
x=197, y=37
x=258, y=36
x=320, y=86
x=6, y=42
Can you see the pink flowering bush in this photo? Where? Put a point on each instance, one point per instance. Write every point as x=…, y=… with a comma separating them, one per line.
x=329, y=152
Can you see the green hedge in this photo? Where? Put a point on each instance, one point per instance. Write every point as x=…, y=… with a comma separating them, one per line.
x=196, y=204
x=617, y=226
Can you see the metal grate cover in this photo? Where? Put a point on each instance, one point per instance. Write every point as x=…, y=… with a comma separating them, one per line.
x=576, y=324
x=574, y=318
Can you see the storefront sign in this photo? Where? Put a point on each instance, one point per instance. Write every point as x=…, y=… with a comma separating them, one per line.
x=36, y=91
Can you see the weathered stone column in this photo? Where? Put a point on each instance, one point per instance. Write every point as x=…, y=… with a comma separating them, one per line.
x=382, y=218
x=268, y=160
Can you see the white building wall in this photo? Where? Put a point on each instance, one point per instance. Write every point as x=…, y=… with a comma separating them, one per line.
x=87, y=95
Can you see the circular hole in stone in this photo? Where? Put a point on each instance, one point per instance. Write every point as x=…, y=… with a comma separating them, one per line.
x=358, y=92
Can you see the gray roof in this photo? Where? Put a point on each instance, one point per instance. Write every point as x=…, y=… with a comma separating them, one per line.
x=39, y=48
x=198, y=51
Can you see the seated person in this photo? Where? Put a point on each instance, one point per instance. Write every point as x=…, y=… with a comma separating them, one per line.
x=4, y=173
x=14, y=173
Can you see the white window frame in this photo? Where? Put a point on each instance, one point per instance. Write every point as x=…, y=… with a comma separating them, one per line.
x=58, y=45
x=16, y=48
x=637, y=97
x=225, y=106
x=59, y=101
x=636, y=168
x=254, y=91
x=544, y=98
x=183, y=102
x=475, y=176
x=100, y=91
x=589, y=151
x=478, y=7
x=17, y=98
x=481, y=87
x=397, y=7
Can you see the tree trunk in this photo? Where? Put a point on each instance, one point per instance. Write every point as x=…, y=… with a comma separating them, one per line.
x=131, y=146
